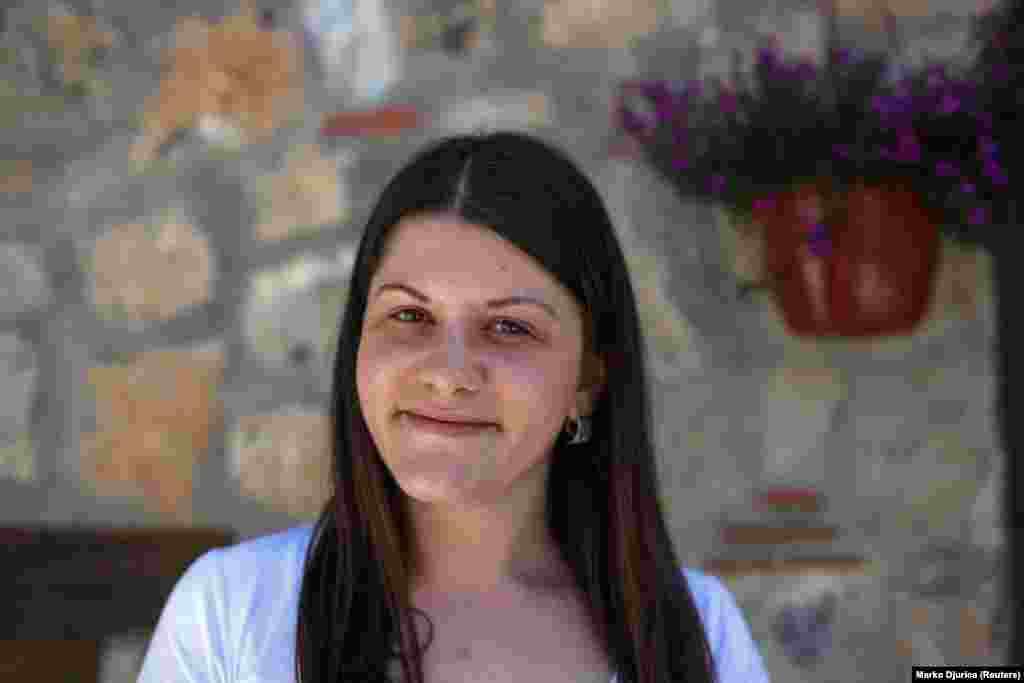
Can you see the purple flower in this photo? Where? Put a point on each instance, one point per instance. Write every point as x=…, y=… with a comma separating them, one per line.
x=818, y=240
x=920, y=102
x=903, y=103
x=908, y=147
x=767, y=58
x=977, y=216
x=897, y=72
x=681, y=97
x=805, y=70
x=842, y=151
x=717, y=183
x=664, y=110
x=909, y=154
x=949, y=104
x=967, y=89
x=656, y=90
x=967, y=187
x=634, y=122
x=888, y=108
x=841, y=55
x=936, y=75
x=988, y=148
x=945, y=168
x=681, y=162
x=728, y=102
x=764, y=204
x=821, y=248
x=995, y=173
x=805, y=633
x=658, y=93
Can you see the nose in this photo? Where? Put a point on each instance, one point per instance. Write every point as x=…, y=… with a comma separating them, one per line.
x=450, y=367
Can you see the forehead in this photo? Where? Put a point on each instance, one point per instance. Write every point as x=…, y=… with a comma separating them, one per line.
x=442, y=247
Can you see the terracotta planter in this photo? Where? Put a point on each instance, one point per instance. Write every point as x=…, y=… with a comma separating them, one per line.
x=859, y=264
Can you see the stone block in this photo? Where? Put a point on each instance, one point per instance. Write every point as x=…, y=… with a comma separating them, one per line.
x=303, y=197
x=800, y=34
x=975, y=634
x=796, y=416
x=506, y=109
x=234, y=75
x=673, y=340
x=293, y=310
x=600, y=24
x=74, y=38
x=18, y=375
x=155, y=416
x=150, y=271
x=23, y=282
x=873, y=12
x=283, y=459
x=460, y=31
x=16, y=176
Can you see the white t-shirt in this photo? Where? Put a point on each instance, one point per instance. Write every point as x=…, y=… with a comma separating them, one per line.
x=231, y=618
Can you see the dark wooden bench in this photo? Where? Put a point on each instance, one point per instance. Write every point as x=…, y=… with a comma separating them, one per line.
x=67, y=589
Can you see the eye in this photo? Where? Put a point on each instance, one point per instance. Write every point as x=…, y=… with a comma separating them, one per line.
x=522, y=329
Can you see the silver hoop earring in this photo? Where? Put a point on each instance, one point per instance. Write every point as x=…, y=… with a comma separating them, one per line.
x=581, y=432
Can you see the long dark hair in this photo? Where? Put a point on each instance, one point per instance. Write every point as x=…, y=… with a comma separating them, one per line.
x=603, y=509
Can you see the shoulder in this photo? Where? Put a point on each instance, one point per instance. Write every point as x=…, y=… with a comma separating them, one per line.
x=250, y=570
x=735, y=651
x=263, y=576
x=712, y=596
x=232, y=613
x=277, y=551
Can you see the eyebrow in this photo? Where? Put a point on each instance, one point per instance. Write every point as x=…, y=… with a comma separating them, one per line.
x=493, y=303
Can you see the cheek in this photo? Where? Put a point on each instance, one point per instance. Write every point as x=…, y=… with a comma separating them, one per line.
x=371, y=378
x=542, y=391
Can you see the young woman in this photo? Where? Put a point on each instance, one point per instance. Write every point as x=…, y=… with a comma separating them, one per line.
x=495, y=514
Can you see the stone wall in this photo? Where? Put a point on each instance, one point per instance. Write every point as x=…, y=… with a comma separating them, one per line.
x=178, y=235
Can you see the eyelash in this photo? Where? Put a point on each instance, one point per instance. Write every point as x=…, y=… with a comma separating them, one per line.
x=526, y=332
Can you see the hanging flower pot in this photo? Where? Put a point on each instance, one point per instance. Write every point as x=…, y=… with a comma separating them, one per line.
x=919, y=140
x=857, y=263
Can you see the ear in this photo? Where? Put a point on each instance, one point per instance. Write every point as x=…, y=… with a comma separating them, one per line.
x=592, y=383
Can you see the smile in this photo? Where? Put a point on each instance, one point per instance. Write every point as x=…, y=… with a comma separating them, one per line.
x=427, y=425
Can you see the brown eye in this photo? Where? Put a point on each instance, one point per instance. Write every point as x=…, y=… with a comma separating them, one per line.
x=522, y=330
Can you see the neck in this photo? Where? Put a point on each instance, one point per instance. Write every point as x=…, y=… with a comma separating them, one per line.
x=483, y=550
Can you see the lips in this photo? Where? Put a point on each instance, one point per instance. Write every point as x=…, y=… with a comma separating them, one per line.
x=427, y=427
x=452, y=420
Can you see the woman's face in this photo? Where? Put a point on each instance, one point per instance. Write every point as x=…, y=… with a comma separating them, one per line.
x=519, y=363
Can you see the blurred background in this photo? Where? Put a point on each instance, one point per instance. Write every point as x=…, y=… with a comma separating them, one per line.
x=183, y=187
